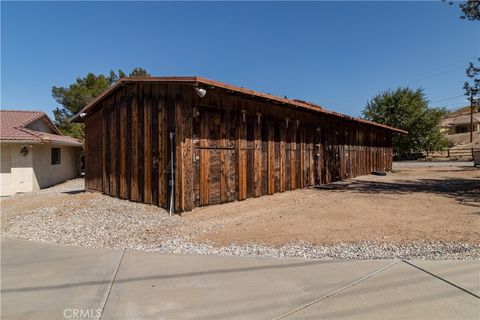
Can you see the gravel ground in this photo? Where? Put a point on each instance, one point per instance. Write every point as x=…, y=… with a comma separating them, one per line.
x=63, y=214
x=122, y=224
x=69, y=186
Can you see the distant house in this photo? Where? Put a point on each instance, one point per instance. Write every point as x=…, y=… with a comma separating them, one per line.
x=461, y=124
x=34, y=154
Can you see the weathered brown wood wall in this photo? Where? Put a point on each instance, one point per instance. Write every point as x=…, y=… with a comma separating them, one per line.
x=94, y=152
x=128, y=144
x=244, y=148
x=227, y=146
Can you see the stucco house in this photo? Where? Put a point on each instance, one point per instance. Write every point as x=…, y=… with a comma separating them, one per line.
x=34, y=154
x=461, y=124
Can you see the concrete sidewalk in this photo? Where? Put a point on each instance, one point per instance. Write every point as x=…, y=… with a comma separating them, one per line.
x=46, y=281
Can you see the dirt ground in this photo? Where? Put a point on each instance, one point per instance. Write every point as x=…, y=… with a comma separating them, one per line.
x=410, y=204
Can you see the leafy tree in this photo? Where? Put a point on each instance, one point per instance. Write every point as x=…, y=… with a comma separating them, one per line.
x=73, y=98
x=408, y=109
x=138, y=73
x=472, y=89
x=470, y=9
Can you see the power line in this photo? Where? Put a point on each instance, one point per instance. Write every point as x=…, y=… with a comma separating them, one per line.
x=449, y=98
x=433, y=72
x=422, y=75
x=458, y=105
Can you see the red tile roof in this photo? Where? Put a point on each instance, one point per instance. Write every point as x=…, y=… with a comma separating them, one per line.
x=13, y=128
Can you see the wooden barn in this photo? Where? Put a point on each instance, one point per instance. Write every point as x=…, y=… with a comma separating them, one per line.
x=185, y=142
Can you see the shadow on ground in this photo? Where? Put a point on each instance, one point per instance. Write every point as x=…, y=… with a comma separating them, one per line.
x=464, y=190
x=73, y=192
x=170, y=276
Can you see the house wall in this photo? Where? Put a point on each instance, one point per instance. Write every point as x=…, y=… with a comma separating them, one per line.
x=227, y=146
x=447, y=130
x=45, y=173
x=17, y=172
x=40, y=125
x=23, y=178
x=34, y=171
x=465, y=128
x=6, y=171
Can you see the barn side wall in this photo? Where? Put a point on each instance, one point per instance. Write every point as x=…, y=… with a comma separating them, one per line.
x=127, y=143
x=227, y=146
x=94, y=152
x=231, y=147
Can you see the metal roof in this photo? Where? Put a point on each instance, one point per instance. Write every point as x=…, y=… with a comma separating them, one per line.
x=207, y=82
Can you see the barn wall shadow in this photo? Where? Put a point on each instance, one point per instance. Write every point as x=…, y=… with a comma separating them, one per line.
x=465, y=190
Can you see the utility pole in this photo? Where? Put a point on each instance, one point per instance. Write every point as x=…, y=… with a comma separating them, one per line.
x=471, y=116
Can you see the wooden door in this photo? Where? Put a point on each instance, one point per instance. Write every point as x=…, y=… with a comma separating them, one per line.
x=214, y=156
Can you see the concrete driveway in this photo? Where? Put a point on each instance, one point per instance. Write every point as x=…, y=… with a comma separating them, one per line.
x=47, y=281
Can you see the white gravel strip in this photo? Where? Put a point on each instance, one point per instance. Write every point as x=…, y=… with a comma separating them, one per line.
x=363, y=251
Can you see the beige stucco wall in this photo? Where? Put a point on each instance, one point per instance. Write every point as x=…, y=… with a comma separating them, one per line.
x=6, y=171
x=21, y=175
x=35, y=171
x=40, y=125
x=454, y=129
x=447, y=130
x=22, y=171
x=46, y=174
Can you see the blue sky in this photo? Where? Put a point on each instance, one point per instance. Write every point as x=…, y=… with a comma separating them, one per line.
x=337, y=54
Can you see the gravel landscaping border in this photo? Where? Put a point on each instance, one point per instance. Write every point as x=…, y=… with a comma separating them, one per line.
x=125, y=234
x=362, y=251
x=122, y=224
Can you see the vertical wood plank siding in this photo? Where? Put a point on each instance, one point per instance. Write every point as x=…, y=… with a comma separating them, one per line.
x=94, y=153
x=132, y=144
x=227, y=146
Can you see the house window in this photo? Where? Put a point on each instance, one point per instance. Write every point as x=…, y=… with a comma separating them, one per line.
x=55, y=155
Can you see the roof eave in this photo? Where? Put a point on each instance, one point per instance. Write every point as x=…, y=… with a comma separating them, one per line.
x=79, y=114
x=51, y=142
x=204, y=81
x=64, y=143
x=19, y=141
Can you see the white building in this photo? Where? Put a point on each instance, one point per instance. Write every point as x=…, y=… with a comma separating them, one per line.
x=34, y=154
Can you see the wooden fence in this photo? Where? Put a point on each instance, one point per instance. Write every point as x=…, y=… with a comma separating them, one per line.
x=452, y=153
